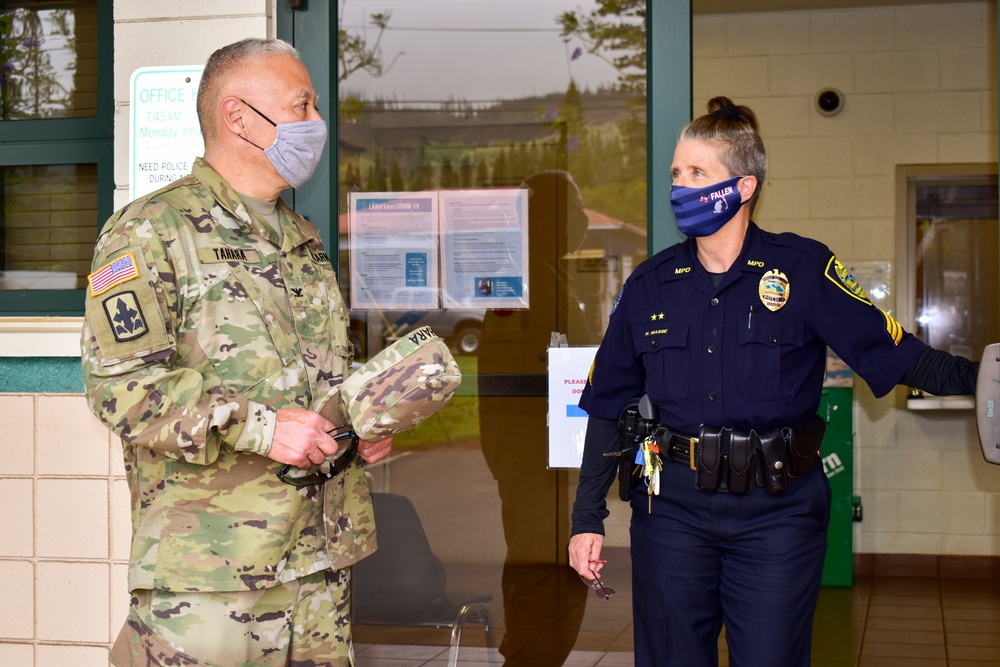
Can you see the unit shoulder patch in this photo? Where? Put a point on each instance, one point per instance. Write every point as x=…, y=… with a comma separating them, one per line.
x=125, y=316
x=618, y=300
x=127, y=322
x=837, y=274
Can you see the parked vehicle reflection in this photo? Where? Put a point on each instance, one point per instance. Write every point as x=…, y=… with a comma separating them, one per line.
x=459, y=327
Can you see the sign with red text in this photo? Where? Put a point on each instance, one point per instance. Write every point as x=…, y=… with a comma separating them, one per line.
x=568, y=370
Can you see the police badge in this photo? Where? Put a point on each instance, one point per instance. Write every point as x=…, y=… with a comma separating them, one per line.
x=774, y=290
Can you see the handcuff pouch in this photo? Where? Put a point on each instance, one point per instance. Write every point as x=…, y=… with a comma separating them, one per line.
x=708, y=458
x=774, y=464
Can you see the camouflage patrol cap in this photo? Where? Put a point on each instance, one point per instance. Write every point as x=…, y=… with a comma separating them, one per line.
x=400, y=387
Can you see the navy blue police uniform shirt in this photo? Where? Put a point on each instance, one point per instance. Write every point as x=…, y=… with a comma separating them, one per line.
x=717, y=355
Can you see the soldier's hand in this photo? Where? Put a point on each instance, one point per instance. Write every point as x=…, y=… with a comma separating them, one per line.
x=374, y=451
x=585, y=553
x=301, y=438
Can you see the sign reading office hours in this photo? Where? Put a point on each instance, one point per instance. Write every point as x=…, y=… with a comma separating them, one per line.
x=166, y=137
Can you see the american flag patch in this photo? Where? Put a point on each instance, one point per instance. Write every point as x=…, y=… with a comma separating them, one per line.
x=113, y=273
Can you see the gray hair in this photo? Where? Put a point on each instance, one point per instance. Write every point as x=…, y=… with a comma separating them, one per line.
x=735, y=130
x=221, y=63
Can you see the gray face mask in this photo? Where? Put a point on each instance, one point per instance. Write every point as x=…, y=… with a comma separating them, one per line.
x=296, y=150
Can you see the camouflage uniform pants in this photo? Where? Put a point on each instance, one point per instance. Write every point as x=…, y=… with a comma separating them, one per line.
x=302, y=623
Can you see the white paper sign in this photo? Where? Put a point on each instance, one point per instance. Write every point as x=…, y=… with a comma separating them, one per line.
x=568, y=369
x=393, y=250
x=484, y=248
x=166, y=137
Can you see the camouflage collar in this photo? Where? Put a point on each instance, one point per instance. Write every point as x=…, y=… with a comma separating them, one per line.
x=301, y=231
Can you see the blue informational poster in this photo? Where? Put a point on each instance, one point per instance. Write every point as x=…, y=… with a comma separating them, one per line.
x=484, y=248
x=394, y=251
x=448, y=248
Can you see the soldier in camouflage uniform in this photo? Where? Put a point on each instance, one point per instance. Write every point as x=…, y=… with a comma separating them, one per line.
x=214, y=345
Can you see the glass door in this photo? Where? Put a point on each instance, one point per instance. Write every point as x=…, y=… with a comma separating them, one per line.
x=450, y=95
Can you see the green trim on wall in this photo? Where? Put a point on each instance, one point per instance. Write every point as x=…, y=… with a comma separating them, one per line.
x=317, y=28
x=41, y=375
x=669, y=87
x=68, y=141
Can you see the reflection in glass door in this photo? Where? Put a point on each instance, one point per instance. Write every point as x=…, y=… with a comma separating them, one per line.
x=451, y=94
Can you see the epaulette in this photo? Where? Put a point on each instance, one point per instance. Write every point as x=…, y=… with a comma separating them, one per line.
x=133, y=208
x=815, y=249
x=668, y=254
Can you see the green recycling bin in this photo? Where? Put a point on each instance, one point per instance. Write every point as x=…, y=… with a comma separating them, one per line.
x=837, y=453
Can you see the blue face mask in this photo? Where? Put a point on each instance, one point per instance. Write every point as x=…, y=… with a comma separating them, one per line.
x=703, y=211
x=296, y=150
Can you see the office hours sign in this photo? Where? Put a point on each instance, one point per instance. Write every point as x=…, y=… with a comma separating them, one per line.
x=166, y=137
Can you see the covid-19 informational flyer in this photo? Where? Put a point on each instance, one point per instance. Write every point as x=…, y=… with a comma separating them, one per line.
x=484, y=248
x=393, y=250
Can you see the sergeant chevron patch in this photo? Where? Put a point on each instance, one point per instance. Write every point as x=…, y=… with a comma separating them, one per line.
x=893, y=328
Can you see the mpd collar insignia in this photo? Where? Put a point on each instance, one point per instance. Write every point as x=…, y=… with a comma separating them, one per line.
x=774, y=290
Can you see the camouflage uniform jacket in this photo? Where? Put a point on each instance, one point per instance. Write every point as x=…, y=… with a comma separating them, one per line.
x=198, y=329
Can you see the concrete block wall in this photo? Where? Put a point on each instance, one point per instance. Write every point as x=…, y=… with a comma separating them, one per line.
x=920, y=87
x=65, y=538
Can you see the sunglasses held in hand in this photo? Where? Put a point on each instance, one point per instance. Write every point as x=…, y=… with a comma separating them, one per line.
x=602, y=591
x=337, y=466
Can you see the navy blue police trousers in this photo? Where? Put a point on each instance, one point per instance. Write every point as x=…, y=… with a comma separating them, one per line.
x=703, y=559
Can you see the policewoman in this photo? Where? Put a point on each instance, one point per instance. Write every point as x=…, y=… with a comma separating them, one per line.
x=727, y=335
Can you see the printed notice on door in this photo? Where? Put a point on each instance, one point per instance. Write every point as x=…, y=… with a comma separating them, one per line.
x=568, y=369
x=484, y=248
x=393, y=250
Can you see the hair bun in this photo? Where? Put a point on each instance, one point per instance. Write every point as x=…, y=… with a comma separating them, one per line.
x=727, y=111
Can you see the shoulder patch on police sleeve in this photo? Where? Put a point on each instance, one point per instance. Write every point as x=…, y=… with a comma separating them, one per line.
x=838, y=275
x=618, y=299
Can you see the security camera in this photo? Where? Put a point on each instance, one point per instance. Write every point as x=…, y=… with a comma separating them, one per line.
x=829, y=101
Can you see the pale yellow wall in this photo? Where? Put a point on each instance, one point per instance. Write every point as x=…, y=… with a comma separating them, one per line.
x=920, y=84
x=65, y=534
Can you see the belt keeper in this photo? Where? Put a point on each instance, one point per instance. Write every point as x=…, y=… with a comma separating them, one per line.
x=691, y=443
